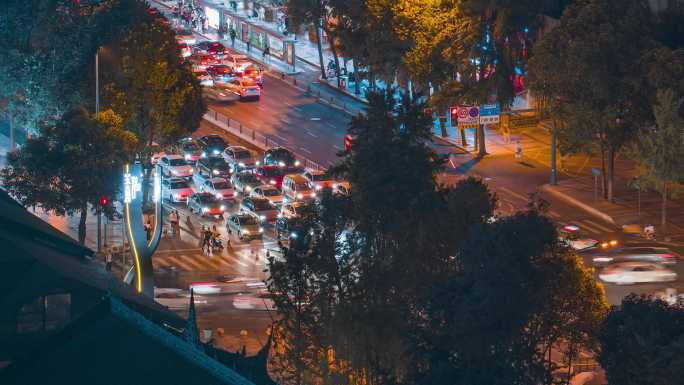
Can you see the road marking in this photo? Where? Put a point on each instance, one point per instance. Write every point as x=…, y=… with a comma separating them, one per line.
x=554, y=214
x=331, y=125
x=589, y=228
x=599, y=226
x=305, y=150
x=179, y=263
x=240, y=262
x=178, y=250
x=338, y=147
x=515, y=194
x=191, y=260
x=315, y=119
x=280, y=137
x=311, y=133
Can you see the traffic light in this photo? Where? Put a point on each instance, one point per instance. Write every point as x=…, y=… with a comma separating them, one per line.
x=104, y=201
x=347, y=142
x=453, y=111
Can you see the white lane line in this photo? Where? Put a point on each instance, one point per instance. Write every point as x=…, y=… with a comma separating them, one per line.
x=178, y=250
x=312, y=134
x=240, y=262
x=589, y=228
x=515, y=194
x=160, y=262
x=599, y=226
x=305, y=150
x=554, y=214
x=179, y=263
x=331, y=125
x=315, y=119
x=279, y=137
x=192, y=261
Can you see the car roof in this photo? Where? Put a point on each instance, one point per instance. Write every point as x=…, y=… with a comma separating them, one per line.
x=267, y=187
x=314, y=172
x=176, y=180
x=244, y=215
x=204, y=194
x=217, y=180
x=172, y=156
x=238, y=148
x=297, y=178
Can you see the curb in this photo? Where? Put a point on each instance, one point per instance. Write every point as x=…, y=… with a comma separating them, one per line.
x=351, y=95
x=575, y=202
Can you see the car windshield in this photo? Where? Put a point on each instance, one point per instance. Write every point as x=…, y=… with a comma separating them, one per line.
x=214, y=140
x=272, y=172
x=242, y=154
x=218, y=163
x=248, y=220
x=190, y=147
x=242, y=59
x=248, y=83
x=221, y=185
x=221, y=69
x=262, y=205
x=248, y=178
x=318, y=177
x=178, y=184
x=177, y=162
x=271, y=192
x=302, y=186
x=281, y=154
x=206, y=198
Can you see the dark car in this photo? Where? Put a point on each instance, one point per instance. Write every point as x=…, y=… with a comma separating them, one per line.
x=272, y=175
x=211, y=145
x=212, y=167
x=261, y=207
x=206, y=204
x=287, y=228
x=210, y=47
x=189, y=150
x=221, y=73
x=280, y=157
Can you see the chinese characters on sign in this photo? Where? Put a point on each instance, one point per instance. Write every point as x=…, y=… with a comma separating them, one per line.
x=131, y=187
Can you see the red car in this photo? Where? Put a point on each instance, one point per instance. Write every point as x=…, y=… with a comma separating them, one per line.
x=272, y=175
x=201, y=61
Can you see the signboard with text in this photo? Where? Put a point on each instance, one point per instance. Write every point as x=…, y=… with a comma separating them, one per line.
x=468, y=116
x=489, y=113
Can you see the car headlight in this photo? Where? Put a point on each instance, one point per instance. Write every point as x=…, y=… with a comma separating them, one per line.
x=248, y=188
x=216, y=152
x=258, y=162
x=176, y=196
x=261, y=229
x=241, y=164
x=222, y=207
x=281, y=164
x=191, y=171
x=204, y=209
x=219, y=196
x=300, y=196
x=204, y=154
x=271, y=181
x=215, y=172
x=246, y=231
x=318, y=187
x=280, y=215
x=313, y=194
x=174, y=172
x=296, y=163
x=262, y=217
x=293, y=235
x=188, y=156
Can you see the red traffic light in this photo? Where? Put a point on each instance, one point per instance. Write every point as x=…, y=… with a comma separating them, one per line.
x=453, y=111
x=104, y=201
x=347, y=142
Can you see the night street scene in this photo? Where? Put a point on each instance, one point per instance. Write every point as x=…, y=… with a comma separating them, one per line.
x=342, y=192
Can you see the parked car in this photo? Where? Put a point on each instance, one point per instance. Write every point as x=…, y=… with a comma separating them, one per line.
x=245, y=226
x=280, y=157
x=261, y=207
x=267, y=191
x=220, y=187
x=272, y=175
x=297, y=188
x=244, y=88
x=211, y=145
x=175, y=189
x=206, y=204
x=244, y=182
x=175, y=166
x=239, y=158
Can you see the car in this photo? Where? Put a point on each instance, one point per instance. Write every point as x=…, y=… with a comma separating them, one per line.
x=176, y=299
x=572, y=236
x=219, y=93
x=185, y=49
x=175, y=189
x=280, y=157
x=221, y=73
x=288, y=228
x=341, y=188
x=185, y=36
x=211, y=145
x=290, y=210
x=661, y=255
x=255, y=73
x=175, y=166
x=244, y=88
x=202, y=61
x=244, y=182
x=189, y=150
x=211, y=167
x=213, y=48
x=204, y=78
x=237, y=61
x=318, y=179
x=267, y=191
x=626, y=273
x=272, y=175
x=220, y=187
x=297, y=188
x=261, y=207
x=245, y=226
x=206, y=204
x=239, y=158
x=260, y=301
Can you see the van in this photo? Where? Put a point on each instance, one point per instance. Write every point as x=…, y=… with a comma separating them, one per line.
x=297, y=188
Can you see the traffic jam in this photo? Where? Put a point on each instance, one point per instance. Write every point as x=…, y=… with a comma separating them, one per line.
x=224, y=75
x=251, y=193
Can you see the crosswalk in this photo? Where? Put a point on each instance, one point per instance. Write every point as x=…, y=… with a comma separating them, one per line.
x=238, y=257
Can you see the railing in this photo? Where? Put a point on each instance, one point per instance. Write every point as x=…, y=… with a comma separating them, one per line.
x=254, y=137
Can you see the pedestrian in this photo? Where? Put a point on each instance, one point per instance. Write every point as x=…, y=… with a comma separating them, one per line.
x=267, y=51
x=518, y=150
x=108, y=260
x=148, y=229
x=249, y=45
x=173, y=220
x=233, y=35
x=206, y=240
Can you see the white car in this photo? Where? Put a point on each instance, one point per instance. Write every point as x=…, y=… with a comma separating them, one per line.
x=573, y=237
x=219, y=92
x=259, y=301
x=627, y=273
x=220, y=187
x=269, y=192
x=175, y=166
x=661, y=255
x=239, y=158
x=244, y=88
x=185, y=36
x=318, y=179
x=175, y=189
x=237, y=62
x=244, y=182
x=341, y=188
x=290, y=210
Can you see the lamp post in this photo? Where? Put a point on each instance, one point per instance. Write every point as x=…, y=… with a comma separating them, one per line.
x=97, y=110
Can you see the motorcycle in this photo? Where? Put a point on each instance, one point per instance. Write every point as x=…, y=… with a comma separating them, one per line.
x=216, y=243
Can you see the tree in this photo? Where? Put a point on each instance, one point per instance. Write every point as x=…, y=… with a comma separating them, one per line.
x=596, y=43
x=70, y=165
x=313, y=12
x=661, y=147
x=642, y=342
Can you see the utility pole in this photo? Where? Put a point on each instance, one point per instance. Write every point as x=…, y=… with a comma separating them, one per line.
x=97, y=110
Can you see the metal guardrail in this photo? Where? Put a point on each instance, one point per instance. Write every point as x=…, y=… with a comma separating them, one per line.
x=254, y=137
